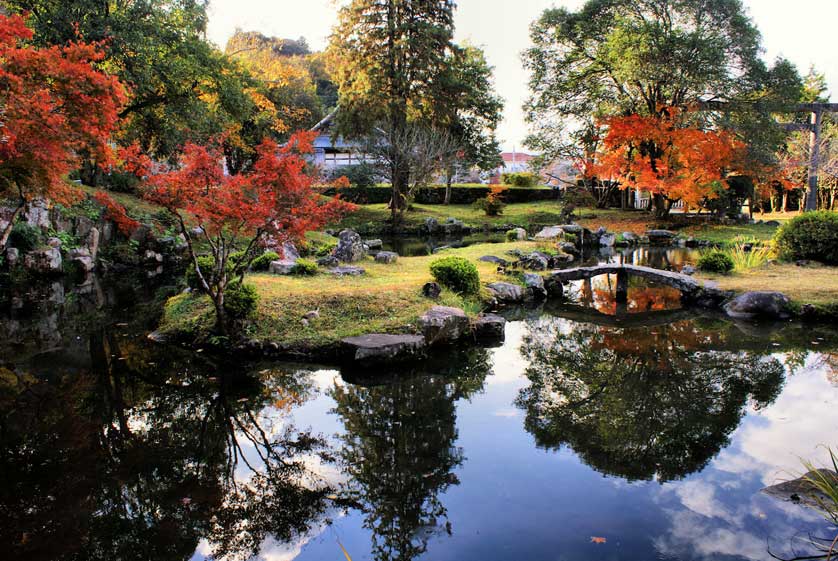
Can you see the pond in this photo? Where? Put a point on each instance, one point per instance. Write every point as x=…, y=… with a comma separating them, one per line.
x=588, y=434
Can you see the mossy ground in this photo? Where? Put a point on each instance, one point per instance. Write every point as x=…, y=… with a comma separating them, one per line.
x=810, y=284
x=387, y=299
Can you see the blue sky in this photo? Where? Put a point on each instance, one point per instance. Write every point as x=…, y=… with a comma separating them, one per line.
x=501, y=27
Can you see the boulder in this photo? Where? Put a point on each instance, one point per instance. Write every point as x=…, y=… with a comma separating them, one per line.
x=801, y=490
x=12, y=256
x=152, y=257
x=142, y=234
x=431, y=290
x=37, y=214
x=507, y=293
x=431, y=225
x=536, y=261
x=350, y=248
x=493, y=259
x=386, y=257
x=383, y=349
x=347, y=271
x=759, y=305
x=82, y=226
x=569, y=248
x=374, y=244
x=519, y=234
x=82, y=258
x=289, y=251
x=688, y=270
x=92, y=243
x=607, y=240
x=453, y=226
x=534, y=285
x=443, y=325
x=489, y=328
x=550, y=233
x=660, y=237
x=44, y=261
x=560, y=259
x=571, y=228
x=630, y=238
x=281, y=267
x=328, y=261
x=772, y=223
x=554, y=287
x=54, y=242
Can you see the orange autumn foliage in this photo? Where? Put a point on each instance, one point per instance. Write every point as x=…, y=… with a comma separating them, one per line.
x=116, y=213
x=664, y=156
x=56, y=106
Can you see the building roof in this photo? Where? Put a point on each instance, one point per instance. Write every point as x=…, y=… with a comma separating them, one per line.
x=517, y=157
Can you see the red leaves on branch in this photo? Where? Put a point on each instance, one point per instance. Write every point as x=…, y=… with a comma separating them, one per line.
x=131, y=159
x=662, y=155
x=56, y=107
x=115, y=212
x=274, y=198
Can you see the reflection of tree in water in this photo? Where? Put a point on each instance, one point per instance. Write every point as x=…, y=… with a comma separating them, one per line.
x=640, y=403
x=400, y=454
x=125, y=461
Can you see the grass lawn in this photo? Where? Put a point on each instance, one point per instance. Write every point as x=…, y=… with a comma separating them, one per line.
x=811, y=284
x=386, y=300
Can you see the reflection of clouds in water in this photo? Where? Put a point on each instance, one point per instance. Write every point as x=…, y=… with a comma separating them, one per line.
x=507, y=365
x=709, y=516
x=772, y=441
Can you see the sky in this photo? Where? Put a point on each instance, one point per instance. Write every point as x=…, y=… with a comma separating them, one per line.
x=802, y=31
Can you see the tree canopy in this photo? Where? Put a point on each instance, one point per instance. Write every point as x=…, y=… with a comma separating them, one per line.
x=622, y=57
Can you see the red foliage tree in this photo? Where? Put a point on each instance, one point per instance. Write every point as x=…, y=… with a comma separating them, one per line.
x=270, y=204
x=663, y=155
x=54, y=106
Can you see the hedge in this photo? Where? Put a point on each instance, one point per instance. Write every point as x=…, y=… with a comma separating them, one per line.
x=436, y=195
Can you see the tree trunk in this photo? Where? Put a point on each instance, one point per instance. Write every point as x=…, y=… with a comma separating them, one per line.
x=449, y=177
x=7, y=231
x=814, y=161
x=661, y=205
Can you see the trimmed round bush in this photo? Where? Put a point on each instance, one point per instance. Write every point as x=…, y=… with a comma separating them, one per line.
x=304, y=267
x=812, y=235
x=240, y=300
x=456, y=273
x=715, y=262
x=263, y=262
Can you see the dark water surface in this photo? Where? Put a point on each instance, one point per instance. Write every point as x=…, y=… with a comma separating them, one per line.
x=646, y=435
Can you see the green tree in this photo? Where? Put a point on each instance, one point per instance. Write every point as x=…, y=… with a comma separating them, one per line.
x=385, y=57
x=399, y=449
x=470, y=113
x=182, y=88
x=640, y=403
x=623, y=57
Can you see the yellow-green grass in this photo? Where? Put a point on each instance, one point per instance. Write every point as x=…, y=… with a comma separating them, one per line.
x=811, y=284
x=387, y=299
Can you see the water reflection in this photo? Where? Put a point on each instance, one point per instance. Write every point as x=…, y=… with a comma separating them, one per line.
x=399, y=450
x=640, y=403
x=129, y=461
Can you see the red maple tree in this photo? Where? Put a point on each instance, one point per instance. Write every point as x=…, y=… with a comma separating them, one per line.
x=55, y=107
x=236, y=215
x=661, y=154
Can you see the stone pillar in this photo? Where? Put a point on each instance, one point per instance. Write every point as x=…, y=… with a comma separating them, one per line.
x=622, y=286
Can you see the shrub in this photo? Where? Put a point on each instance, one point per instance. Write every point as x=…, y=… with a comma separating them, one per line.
x=263, y=262
x=746, y=255
x=207, y=263
x=456, y=273
x=240, y=300
x=813, y=235
x=520, y=179
x=715, y=262
x=304, y=267
x=493, y=204
x=511, y=236
x=359, y=175
x=25, y=237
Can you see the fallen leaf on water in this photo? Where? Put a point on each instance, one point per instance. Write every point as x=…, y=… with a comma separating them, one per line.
x=597, y=539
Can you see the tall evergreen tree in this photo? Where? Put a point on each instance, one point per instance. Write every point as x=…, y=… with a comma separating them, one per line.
x=386, y=58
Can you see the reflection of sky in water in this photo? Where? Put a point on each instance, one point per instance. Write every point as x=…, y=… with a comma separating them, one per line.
x=516, y=501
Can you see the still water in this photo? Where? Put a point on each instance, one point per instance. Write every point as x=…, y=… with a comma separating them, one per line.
x=585, y=436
